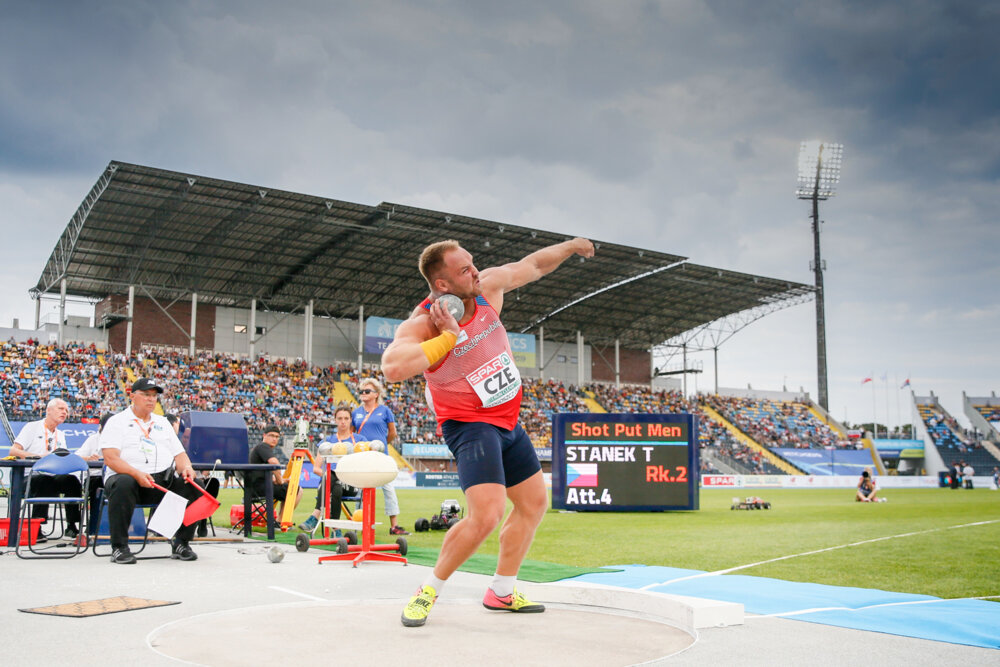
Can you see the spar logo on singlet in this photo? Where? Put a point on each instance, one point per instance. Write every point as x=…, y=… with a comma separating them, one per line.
x=496, y=381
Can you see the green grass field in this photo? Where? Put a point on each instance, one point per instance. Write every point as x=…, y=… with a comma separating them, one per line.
x=945, y=561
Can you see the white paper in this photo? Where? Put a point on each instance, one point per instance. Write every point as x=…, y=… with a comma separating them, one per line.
x=169, y=514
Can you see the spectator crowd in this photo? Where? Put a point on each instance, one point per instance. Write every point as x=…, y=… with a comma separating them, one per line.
x=284, y=392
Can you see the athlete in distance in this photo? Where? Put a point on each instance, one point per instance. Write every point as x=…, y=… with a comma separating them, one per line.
x=475, y=390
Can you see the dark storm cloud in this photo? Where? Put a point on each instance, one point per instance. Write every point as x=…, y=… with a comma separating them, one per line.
x=543, y=83
x=922, y=64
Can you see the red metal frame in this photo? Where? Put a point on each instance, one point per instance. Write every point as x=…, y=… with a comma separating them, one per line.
x=367, y=550
x=326, y=539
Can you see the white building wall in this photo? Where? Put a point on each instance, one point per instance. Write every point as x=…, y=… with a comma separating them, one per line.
x=561, y=362
x=334, y=341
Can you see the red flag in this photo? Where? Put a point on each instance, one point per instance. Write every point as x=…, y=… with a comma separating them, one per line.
x=867, y=379
x=202, y=508
x=906, y=384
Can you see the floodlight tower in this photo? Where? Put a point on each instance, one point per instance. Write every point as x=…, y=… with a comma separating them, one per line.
x=819, y=173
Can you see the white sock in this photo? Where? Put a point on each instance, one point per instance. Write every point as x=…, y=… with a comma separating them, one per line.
x=435, y=583
x=503, y=586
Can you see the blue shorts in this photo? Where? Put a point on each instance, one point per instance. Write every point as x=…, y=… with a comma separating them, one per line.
x=488, y=454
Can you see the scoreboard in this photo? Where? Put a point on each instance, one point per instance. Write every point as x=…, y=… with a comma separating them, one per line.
x=624, y=462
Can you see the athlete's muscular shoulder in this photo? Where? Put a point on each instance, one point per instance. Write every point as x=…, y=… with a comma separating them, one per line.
x=493, y=283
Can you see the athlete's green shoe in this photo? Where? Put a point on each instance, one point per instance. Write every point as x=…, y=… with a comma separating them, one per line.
x=416, y=611
x=513, y=602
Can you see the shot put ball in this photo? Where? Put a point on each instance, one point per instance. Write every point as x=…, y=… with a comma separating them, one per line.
x=453, y=305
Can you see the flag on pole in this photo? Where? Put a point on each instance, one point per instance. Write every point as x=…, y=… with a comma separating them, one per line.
x=866, y=380
x=885, y=376
x=906, y=383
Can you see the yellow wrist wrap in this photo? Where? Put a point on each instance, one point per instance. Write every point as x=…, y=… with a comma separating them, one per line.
x=436, y=348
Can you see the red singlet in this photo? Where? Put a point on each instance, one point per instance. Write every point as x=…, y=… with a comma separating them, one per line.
x=477, y=381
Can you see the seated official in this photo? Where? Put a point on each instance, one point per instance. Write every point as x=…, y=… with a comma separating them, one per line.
x=264, y=453
x=141, y=448
x=41, y=438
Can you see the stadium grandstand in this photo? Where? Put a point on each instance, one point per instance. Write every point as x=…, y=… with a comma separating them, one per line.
x=92, y=383
x=953, y=443
x=984, y=415
x=274, y=305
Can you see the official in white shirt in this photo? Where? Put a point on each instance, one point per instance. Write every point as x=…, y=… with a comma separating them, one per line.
x=140, y=448
x=90, y=450
x=41, y=438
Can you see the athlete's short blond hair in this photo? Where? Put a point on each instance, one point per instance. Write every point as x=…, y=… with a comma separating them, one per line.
x=432, y=259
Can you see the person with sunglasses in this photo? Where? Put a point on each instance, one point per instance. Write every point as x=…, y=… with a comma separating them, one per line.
x=375, y=421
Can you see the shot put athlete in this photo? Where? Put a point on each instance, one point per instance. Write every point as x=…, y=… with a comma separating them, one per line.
x=475, y=389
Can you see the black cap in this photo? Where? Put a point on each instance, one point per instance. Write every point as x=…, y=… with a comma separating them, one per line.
x=272, y=428
x=145, y=384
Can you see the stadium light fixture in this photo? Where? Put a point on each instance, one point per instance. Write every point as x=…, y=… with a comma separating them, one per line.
x=819, y=169
x=819, y=174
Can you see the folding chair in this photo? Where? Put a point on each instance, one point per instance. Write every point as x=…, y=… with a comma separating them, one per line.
x=258, y=515
x=53, y=525
x=258, y=508
x=137, y=531
x=57, y=463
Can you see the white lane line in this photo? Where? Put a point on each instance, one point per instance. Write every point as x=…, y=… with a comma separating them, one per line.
x=301, y=595
x=873, y=606
x=816, y=551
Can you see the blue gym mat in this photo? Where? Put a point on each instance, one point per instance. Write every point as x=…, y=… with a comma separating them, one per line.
x=970, y=622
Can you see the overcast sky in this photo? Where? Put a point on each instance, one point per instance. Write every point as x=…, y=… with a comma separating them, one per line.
x=666, y=125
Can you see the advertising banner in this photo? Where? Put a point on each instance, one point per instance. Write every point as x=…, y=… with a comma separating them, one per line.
x=75, y=432
x=436, y=451
x=308, y=479
x=447, y=480
x=752, y=481
x=718, y=480
x=899, y=449
x=379, y=332
x=426, y=451
x=523, y=347
x=817, y=482
x=828, y=461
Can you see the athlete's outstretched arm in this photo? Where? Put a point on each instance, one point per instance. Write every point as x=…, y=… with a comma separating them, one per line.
x=539, y=263
x=419, y=343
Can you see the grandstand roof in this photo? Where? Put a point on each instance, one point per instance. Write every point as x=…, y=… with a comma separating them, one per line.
x=171, y=234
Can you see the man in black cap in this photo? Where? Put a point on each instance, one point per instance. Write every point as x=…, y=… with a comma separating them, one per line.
x=140, y=448
x=264, y=453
